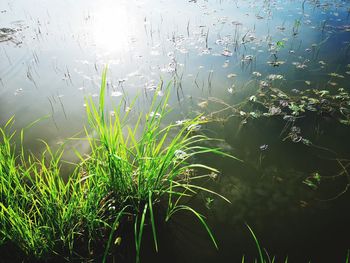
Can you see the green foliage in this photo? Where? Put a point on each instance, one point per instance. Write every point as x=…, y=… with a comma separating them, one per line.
x=128, y=172
x=37, y=208
x=290, y=106
x=137, y=166
x=261, y=258
x=265, y=257
x=313, y=181
x=280, y=44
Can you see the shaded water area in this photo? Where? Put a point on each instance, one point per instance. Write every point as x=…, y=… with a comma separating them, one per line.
x=216, y=55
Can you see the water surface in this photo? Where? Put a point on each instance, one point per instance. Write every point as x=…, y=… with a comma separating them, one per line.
x=213, y=53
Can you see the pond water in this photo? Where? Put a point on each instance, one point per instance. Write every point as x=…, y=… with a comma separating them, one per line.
x=290, y=187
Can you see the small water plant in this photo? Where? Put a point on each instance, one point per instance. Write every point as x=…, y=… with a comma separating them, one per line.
x=269, y=100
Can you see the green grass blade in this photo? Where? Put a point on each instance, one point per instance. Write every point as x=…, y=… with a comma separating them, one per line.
x=257, y=244
x=201, y=219
x=152, y=220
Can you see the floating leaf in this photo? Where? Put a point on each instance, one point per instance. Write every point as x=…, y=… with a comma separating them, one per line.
x=306, y=142
x=336, y=75
x=256, y=74
x=323, y=92
x=280, y=44
x=346, y=122
x=252, y=98
x=276, y=63
x=313, y=181
x=275, y=110
x=254, y=114
x=232, y=75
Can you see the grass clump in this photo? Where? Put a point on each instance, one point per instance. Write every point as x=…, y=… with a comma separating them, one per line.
x=37, y=208
x=135, y=168
x=128, y=173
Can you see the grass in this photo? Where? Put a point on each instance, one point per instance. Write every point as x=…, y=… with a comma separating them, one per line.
x=265, y=257
x=37, y=207
x=135, y=168
x=128, y=173
x=116, y=192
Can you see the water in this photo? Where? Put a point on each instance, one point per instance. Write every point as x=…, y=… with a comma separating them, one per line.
x=215, y=53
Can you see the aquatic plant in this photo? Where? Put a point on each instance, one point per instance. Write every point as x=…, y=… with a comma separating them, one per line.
x=293, y=108
x=122, y=181
x=263, y=257
x=38, y=210
x=134, y=168
x=271, y=101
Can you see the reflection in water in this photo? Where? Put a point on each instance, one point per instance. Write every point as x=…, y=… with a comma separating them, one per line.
x=111, y=27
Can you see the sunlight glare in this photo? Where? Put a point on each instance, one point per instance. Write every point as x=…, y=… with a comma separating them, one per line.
x=112, y=27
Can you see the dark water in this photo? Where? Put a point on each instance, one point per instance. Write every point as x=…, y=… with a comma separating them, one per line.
x=215, y=53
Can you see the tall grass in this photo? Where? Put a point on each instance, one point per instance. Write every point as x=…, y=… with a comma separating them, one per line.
x=135, y=167
x=128, y=173
x=37, y=208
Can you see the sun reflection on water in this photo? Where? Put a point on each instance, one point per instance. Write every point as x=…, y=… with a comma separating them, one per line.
x=112, y=28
